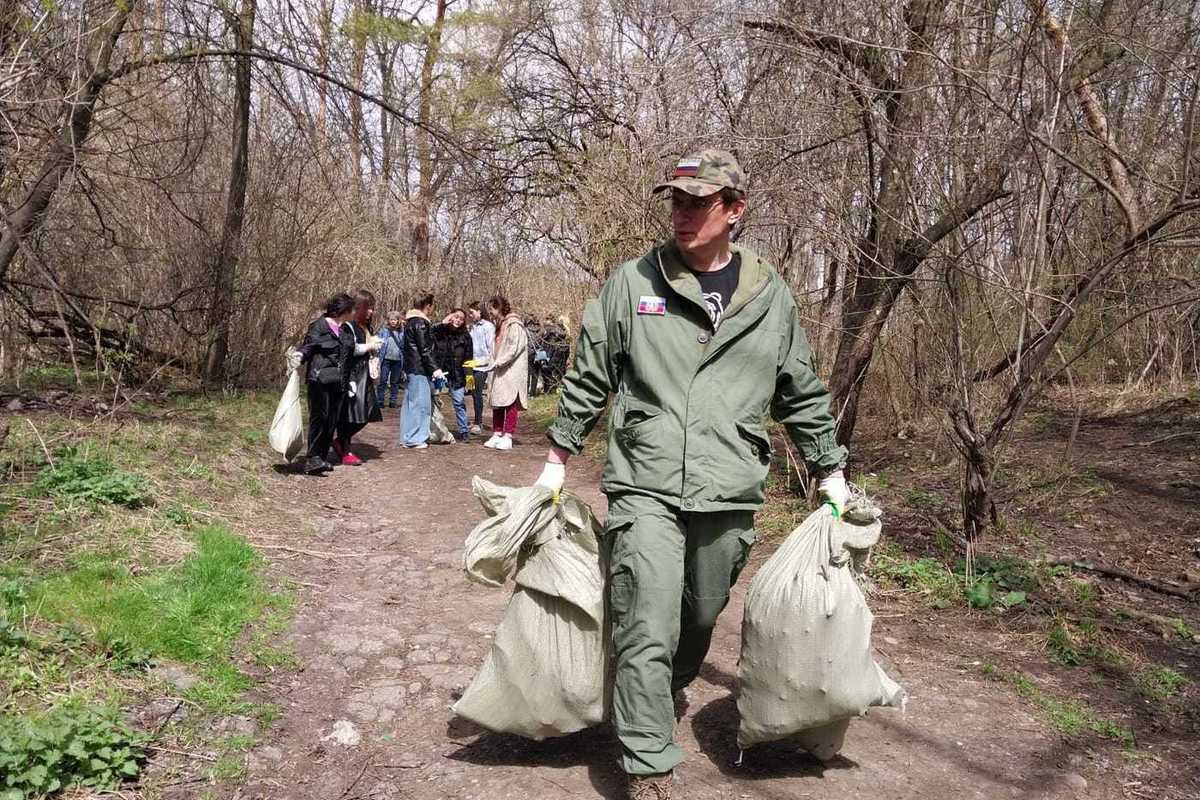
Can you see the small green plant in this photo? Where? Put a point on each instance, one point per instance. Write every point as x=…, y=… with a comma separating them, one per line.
x=1157, y=683
x=1183, y=630
x=922, y=500
x=178, y=514
x=13, y=638
x=14, y=599
x=123, y=655
x=228, y=768
x=253, y=486
x=1006, y=581
x=1062, y=647
x=1082, y=592
x=74, y=476
x=1071, y=717
x=928, y=576
x=68, y=746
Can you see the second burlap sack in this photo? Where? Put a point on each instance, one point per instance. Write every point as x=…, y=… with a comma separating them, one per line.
x=806, y=665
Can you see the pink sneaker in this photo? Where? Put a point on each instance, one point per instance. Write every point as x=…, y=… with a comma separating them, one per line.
x=351, y=460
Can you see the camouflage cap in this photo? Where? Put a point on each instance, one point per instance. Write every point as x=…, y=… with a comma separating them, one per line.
x=705, y=172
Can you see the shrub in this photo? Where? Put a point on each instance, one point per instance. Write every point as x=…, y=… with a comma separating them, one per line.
x=90, y=480
x=67, y=746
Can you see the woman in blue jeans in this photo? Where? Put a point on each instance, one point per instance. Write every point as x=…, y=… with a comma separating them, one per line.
x=418, y=364
x=391, y=361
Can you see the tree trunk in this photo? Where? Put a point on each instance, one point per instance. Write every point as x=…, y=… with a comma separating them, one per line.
x=225, y=264
x=978, y=509
x=77, y=108
x=357, y=132
x=423, y=207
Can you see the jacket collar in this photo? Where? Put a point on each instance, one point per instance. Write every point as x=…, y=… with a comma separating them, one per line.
x=753, y=278
x=416, y=313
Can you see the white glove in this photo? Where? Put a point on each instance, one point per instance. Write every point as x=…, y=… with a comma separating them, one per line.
x=833, y=490
x=438, y=375
x=374, y=344
x=552, y=477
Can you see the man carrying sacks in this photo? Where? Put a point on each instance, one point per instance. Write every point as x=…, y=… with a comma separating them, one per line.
x=698, y=341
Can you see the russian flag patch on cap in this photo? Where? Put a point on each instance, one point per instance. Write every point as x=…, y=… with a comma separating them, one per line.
x=687, y=168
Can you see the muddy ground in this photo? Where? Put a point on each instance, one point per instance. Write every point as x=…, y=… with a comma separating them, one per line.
x=388, y=631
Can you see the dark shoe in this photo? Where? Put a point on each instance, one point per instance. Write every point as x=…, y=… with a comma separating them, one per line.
x=392, y=405
x=650, y=787
x=315, y=466
x=462, y=437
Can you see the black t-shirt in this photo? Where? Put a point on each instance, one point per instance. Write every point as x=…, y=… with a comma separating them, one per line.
x=718, y=287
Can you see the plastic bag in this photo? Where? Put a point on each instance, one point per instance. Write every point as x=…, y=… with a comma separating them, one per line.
x=806, y=666
x=287, y=427
x=545, y=674
x=439, y=432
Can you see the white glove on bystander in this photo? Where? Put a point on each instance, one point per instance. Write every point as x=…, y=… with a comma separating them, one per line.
x=833, y=490
x=438, y=375
x=553, y=476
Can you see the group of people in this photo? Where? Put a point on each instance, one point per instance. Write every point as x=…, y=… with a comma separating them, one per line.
x=455, y=357
x=352, y=372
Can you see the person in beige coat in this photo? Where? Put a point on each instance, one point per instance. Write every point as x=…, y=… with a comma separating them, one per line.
x=510, y=373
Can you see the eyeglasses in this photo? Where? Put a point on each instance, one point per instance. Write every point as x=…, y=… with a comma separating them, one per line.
x=685, y=203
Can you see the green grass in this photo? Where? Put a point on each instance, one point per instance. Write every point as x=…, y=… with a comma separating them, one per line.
x=1070, y=717
x=118, y=551
x=1183, y=630
x=186, y=613
x=922, y=500
x=926, y=576
x=1157, y=683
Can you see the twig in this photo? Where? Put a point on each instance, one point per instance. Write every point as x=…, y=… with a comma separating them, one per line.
x=1117, y=572
x=354, y=782
x=42, y=442
x=315, y=553
x=167, y=718
x=1162, y=439
x=200, y=756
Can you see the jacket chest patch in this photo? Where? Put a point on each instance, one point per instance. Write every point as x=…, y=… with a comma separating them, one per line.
x=654, y=306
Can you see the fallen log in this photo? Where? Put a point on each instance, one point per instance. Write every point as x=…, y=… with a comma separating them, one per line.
x=1125, y=575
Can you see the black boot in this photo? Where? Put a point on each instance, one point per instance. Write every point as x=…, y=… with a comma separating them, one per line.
x=315, y=466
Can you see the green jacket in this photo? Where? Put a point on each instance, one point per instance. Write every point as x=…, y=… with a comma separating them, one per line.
x=687, y=422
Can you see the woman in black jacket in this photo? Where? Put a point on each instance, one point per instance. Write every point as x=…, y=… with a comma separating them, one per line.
x=327, y=347
x=359, y=405
x=421, y=369
x=451, y=347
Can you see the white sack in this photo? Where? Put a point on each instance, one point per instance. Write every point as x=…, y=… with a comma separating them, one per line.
x=806, y=665
x=439, y=433
x=545, y=674
x=287, y=427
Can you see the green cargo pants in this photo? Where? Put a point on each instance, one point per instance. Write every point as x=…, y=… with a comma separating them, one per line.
x=670, y=572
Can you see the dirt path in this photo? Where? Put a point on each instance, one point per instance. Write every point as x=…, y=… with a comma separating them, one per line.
x=388, y=630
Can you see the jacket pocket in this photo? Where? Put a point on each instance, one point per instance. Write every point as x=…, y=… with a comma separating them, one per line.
x=639, y=451
x=756, y=436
